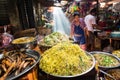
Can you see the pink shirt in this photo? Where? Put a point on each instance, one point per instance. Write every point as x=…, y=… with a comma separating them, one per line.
x=82, y=23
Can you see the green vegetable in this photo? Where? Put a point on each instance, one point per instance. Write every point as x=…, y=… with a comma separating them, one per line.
x=106, y=60
x=54, y=38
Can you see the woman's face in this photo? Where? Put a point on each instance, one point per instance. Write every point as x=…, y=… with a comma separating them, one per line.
x=76, y=18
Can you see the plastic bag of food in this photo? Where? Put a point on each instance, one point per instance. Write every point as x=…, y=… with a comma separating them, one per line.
x=6, y=37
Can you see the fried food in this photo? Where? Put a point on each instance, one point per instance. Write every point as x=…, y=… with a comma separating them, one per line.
x=117, y=53
x=114, y=73
x=65, y=59
x=15, y=62
x=23, y=40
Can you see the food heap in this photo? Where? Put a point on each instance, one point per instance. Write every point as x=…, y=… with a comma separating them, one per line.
x=23, y=40
x=14, y=63
x=53, y=39
x=106, y=60
x=117, y=53
x=65, y=59
x=114, y=73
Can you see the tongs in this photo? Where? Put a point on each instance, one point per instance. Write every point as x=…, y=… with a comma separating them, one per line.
x=105, y=73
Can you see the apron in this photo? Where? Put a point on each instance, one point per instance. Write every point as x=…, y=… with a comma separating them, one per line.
x=79, y=31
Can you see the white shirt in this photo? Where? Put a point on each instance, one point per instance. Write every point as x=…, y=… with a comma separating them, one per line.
x=89, y=21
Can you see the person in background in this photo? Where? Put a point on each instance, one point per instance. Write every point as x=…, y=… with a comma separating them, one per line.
x=77, y=31
x=102, y=23
x=90, y=23
x=118, y=25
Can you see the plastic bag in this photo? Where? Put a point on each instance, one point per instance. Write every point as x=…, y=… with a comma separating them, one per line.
x=6, y=37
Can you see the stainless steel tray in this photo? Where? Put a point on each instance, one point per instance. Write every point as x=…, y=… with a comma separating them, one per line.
x=31, y=53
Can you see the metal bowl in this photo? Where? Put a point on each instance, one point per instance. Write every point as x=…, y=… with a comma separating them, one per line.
x=31, y=53
x=115, y=73
x=83, y=73
x=28, y=45
x=108, y=54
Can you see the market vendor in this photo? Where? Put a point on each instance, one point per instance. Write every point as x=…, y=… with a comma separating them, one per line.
x=118, y=25
x=77, y=31
x=90, y=22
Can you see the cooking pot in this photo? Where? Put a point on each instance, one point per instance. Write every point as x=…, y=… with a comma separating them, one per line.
x=26, y=44
x=108, y=54
x=78, y=75
x=115, y=73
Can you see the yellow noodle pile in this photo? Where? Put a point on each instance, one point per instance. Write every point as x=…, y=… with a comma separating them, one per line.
x=65, y=59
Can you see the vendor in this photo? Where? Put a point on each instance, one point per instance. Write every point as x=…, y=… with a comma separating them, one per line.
x=90, y=22
x=77, y=31
x=118, y=25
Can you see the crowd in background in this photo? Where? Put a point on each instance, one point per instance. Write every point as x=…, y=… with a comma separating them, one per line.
x=82, y=27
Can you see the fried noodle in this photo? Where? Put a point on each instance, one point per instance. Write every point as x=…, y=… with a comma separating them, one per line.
x=65, y=59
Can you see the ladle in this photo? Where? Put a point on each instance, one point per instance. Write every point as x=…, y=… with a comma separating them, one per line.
x=107, y=74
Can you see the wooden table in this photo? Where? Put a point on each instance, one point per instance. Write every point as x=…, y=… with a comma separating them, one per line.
x=113, y=42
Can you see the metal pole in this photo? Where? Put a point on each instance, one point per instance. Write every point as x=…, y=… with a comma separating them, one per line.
x=97, y=11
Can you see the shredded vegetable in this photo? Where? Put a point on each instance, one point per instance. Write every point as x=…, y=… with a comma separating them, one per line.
x=106, y=60
x=53, y=39
x=65, y=59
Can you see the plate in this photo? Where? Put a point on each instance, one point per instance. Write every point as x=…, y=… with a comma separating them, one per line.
x=32, y=54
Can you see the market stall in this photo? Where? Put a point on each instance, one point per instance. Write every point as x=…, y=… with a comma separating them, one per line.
x=40, y=53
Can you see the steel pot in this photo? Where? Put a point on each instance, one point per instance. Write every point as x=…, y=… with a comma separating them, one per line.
x=27, y=45
x=81, y=74
x=108, y=54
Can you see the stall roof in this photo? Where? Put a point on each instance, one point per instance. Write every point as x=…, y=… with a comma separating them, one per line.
x=47, y=3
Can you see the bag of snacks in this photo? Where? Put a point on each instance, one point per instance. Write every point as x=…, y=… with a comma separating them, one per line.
x=6, y=37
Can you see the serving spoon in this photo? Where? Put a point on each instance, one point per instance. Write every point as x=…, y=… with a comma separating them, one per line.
x=107, y=74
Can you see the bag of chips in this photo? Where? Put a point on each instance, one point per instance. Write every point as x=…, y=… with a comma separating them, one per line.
x=6, y=37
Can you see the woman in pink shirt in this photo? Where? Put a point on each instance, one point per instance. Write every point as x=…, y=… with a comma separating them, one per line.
x=77, y=31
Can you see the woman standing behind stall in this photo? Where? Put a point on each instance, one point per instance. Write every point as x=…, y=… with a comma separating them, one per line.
x=77, y=31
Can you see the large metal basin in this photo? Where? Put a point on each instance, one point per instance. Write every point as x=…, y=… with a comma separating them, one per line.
x=81, y=74
x=108, y=54
x=28, y=45
x=31, y=53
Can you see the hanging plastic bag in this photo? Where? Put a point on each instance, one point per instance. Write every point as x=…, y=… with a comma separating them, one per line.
x=6, y=37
